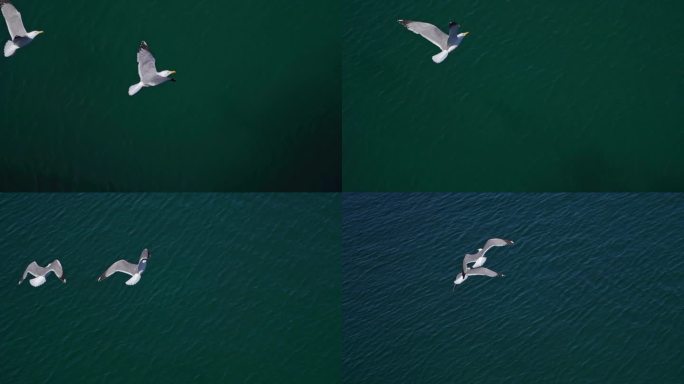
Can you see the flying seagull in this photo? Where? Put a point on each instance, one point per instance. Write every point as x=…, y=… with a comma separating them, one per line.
x=479, y=259
x=446, y=43
x=19, y=36
x=135, y=270
x=36, y=270
x=147, y=70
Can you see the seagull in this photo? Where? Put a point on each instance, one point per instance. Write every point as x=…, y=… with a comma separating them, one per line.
x=19, y=36
x=135, y=270
x=147, y=70
x=36, y=270
x=479, y=259
x=446, y=43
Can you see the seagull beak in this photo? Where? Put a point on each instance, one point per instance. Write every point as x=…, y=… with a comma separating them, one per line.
x=173, y=72
x=465, y=34
x=39, y=32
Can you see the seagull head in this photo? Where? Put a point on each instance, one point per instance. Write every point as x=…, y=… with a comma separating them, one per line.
x=33, y=34
x=146, y=254
x=166, y=73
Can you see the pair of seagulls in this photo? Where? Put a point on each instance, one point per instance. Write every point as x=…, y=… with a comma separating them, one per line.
x=446, y=43
x=479, y=259
x=147, y=69
x=134, y=270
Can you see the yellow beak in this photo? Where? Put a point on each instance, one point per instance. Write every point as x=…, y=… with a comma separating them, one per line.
x=172, y=72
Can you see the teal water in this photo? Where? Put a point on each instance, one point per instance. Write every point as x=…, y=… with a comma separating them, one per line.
x=239, y=289
x=592, y=292
x=547, y=96
x=256, y=105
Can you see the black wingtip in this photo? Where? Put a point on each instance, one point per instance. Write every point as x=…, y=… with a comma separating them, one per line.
x=143, y=45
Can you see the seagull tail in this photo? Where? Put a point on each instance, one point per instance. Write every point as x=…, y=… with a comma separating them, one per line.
x=438, y=58
x=10, y=48
x=133, y=89
x=37, y=281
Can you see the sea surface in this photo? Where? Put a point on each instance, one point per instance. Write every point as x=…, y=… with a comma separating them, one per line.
x=256, y=104
x=540, y=96
x=239, y=289
x=592, y=291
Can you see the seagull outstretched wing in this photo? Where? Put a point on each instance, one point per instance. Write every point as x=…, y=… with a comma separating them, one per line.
x=482, y=271
x=13, y=19
x=428, y=31
x=147, y=69
x=119, y=266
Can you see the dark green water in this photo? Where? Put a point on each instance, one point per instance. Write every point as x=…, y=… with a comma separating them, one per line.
x=256, y=105
x=239, y=289
x=592, y=292
x=541, y=96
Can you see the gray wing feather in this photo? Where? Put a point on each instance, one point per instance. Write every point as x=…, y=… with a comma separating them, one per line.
x=34, y=269
x=13, y=19
x=471, y=258
x=56, y=267
x=493, y=243
x=482, y=271
x=147, y=69
x=119, y=266
x=428, y=31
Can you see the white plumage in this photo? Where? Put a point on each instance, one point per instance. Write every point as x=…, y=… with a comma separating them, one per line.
x=446, y=43
x=147, y=71
x=18, y=35
x=479, y=259
x=41, y=273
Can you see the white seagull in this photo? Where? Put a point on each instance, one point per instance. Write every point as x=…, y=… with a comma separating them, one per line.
x=18, y=35
x=446, y=43
x=479, y=259
x=147, y=70
x=36, y=270
x=134, y=270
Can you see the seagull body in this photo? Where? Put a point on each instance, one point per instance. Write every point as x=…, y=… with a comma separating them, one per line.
x=18, y=35
x=134, y=270
x=147, y=70
x=479, y=259
x=41, y=273
x=446, y=43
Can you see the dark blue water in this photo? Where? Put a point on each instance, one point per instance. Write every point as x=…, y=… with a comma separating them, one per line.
x=592, y=293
